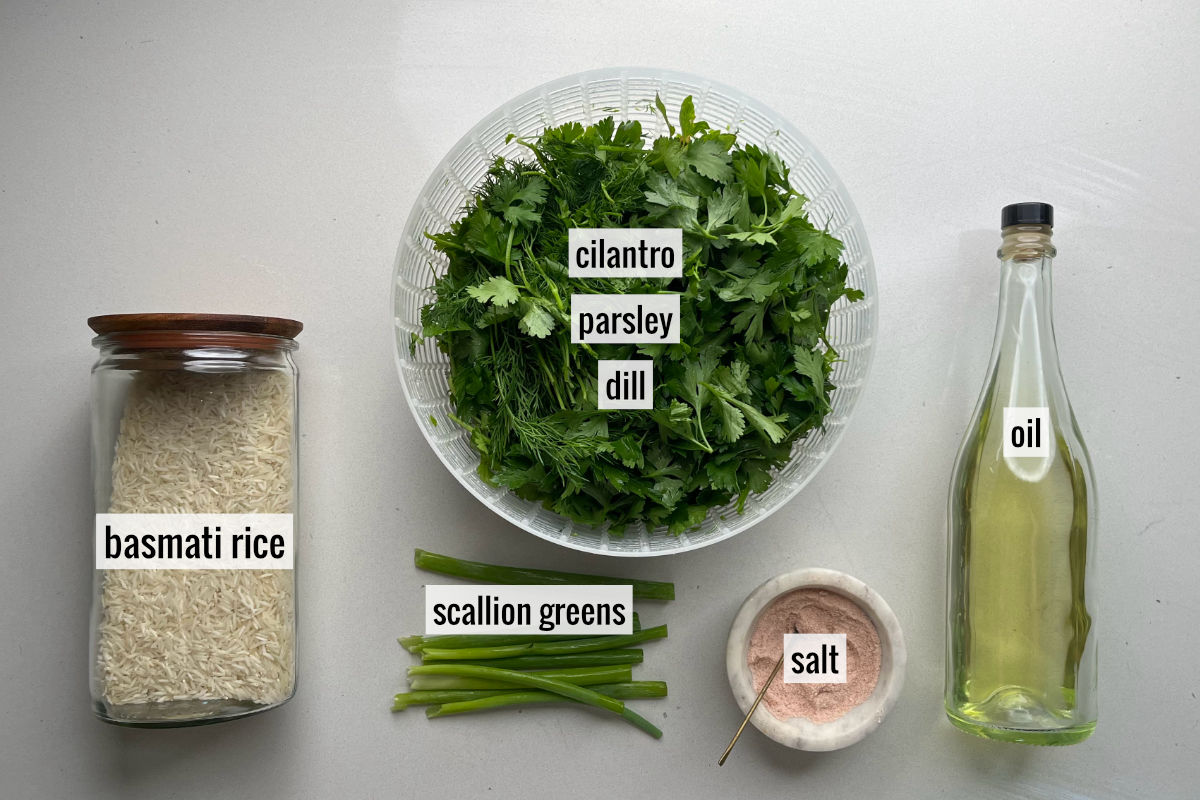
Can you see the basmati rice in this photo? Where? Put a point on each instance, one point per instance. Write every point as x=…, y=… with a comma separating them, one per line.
x=193, y=442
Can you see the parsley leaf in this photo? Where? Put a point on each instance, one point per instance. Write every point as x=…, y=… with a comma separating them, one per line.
x=664, y=192
x=710, y=159
x=722, y=207
x=811, y=364
x=817, y=247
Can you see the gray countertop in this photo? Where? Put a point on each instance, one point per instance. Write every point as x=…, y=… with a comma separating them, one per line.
x=262, y=158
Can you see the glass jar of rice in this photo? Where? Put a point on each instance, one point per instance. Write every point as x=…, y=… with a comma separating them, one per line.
x=194, y=454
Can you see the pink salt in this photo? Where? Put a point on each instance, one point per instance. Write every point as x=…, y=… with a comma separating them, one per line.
x=814, y=611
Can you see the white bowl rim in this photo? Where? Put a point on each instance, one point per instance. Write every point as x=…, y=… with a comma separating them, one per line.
x=608, y=73
x=801, y=733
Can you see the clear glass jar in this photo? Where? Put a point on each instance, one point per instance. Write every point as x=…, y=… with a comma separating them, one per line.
x=192, y=414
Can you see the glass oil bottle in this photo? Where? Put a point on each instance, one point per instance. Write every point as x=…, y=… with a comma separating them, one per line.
x=1021, y=639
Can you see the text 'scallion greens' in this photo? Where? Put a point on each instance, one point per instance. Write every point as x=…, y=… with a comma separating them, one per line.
x=748, y=377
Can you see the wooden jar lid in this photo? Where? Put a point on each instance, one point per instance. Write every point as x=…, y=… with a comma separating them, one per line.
x=201, y=323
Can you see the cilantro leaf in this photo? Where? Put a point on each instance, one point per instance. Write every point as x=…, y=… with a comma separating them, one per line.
x=734, y=378
x=733, y=422
x=537, y=322
x=768, y=425
x=499, y=291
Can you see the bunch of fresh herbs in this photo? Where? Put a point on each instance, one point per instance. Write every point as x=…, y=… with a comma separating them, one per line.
x=748, y=378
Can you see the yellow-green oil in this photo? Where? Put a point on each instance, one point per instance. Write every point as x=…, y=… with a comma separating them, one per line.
x=1019, y=622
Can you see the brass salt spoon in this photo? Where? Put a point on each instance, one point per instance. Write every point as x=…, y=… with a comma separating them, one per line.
x=761, y=693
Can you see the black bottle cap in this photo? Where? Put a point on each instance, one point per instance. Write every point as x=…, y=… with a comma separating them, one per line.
x=1027, y=214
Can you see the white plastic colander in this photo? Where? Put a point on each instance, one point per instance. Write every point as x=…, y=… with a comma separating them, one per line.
x=625, y=93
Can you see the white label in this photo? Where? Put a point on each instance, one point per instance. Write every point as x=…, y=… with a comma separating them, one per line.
x=625, y=318
x=194, y=541
x=814, y=658
x=1027, y=431
x=578, y=610
x=625, y=383
x=625, y=253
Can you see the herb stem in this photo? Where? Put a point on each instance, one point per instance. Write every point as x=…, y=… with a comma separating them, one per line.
x=508, y=254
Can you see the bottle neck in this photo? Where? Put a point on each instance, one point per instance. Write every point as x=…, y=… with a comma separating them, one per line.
x=1025, y=356
x=1026, y=243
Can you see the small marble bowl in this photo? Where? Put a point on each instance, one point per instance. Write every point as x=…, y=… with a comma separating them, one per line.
x=798, y=732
